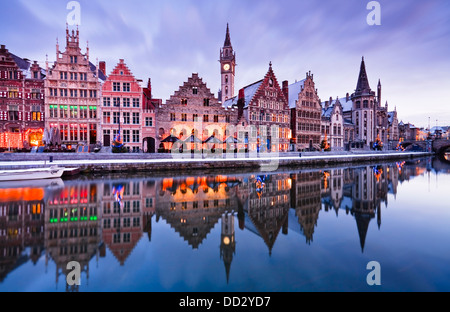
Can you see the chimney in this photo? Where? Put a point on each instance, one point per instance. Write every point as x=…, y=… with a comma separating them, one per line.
x=241, y=94
x=347, y=97
x=241, y=103
x=286, y=89
x=102, y=66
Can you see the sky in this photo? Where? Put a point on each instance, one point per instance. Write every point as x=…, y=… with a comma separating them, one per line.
x=167, y=41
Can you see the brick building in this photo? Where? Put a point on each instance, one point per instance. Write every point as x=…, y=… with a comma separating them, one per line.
x=21, y=102
x=122, y=97
x=332, y=124
x=149, y=106
x=306, y=113
x=263, y=115
x=72, y=96
x=194, y=113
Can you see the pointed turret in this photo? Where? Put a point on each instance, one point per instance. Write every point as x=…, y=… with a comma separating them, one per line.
x=379, y=92
x=362, y=86
x=227, y=42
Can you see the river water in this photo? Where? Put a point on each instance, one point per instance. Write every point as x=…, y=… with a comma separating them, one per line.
x=314, y=229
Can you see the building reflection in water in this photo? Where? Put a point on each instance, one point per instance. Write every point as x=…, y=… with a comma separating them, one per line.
x=81, y=220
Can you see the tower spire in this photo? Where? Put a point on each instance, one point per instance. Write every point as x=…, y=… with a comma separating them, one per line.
x=362, y=87
x=227, y=42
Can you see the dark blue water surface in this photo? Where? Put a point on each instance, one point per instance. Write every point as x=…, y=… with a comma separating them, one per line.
x=297, y=229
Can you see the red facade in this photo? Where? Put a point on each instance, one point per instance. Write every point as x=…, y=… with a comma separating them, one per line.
x=21, y=102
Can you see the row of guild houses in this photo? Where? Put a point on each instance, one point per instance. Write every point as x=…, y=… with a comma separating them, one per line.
x=74, y=102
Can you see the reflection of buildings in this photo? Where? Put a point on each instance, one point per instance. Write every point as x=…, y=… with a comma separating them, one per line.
x=193, y=205
x=127, y=210
x=72, y=226
x=268, y=207
x=360, y=192
x=305, y=199
x=21, y=226
x=82, y=218
x=227, y=242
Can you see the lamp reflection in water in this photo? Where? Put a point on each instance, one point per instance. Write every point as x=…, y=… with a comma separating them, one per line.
x=260, y=184
x=118, y=193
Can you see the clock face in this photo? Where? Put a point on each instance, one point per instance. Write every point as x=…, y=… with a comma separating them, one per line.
x=226, y=67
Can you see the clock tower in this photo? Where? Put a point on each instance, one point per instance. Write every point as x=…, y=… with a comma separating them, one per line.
x=227, y=68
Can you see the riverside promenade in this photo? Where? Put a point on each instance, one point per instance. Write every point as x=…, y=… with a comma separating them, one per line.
x=111, y=163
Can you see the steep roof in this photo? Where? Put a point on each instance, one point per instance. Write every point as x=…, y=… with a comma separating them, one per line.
x=23, y=64
x=362, y=87
x=101, y=74
x=346, y=105
x=327, y=112
x=294, y=90
x=249, y=93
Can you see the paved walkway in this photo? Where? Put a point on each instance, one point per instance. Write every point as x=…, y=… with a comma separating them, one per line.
x=90, y=160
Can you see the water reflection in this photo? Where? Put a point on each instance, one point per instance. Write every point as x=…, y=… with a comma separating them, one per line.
x=80, y=220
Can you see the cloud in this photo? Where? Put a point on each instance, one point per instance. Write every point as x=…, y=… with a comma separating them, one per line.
x=169, y=40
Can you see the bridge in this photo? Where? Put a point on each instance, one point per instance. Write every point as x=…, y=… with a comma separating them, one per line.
x=438, y=146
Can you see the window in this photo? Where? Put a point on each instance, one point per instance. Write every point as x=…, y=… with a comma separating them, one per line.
x=53, y=111
x=73, y=111
x=13, y=113
x=93, y=112
x=83, y=112
x=126, y=136
x=183, y=117
x=172, y=117
x=205, y=118
x=116, y=117
x=106, y=102
x=216, y=118
x=126, y=118
x=194, y=90
x=136, y=103
x=136, y=119
x=63, y=111
x=184, y=101
x=126, y=87
x=106, y=117
x=149, y=121
x=195, y=118
x=136, y=138
x=116, y=86
x=116, y=102
x=206, y=102
x=126, y=102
